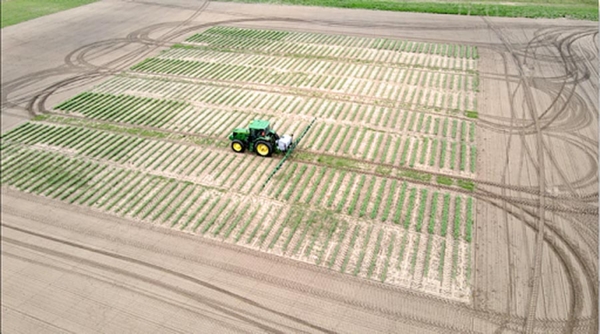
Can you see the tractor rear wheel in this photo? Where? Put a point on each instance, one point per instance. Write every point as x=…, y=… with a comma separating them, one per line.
x=264, y=149
x=237, y=146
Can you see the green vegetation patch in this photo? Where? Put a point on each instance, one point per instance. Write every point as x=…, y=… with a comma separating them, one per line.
x=416, y=175
x=573, y=9
x=447, y=181
x=465, y=184
x=471, y=114
x=17, y=11
x=334, y=162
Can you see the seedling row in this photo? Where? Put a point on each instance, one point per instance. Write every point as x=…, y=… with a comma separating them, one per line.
x=392, y=90
x=308, y=68
x=205, y=165
x=381, y=199
x=290, y=231
x=322, y=45
x=274, y=104
x=420, y=152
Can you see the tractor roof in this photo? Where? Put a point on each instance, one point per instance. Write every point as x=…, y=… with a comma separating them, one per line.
x=259, y=124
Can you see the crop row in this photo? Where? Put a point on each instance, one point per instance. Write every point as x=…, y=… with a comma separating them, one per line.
x=386, y=148
x=322, y=45
x=125, y=192
x=323, y=240
x=369, y=251
x=405, y=258
x=123, y=108
x=275, y=104
x=374, y=198
x=160, y=157
x=206, y=121
x=343, y=72
x=188, y=206
x=120, y=191
x=92, y=143
x=392, y=90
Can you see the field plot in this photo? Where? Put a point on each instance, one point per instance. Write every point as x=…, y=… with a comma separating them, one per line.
x=379, y=188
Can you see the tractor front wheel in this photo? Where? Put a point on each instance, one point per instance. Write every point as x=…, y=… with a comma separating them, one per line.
x=263, y=149
x=237, y=146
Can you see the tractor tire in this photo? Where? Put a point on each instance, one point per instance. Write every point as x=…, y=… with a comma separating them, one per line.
x=263, y=148
x=237, y=146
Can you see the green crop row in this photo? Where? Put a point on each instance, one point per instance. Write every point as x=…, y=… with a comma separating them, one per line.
x=424, y=151
x=378, y=199
x=402, y=250
x=427, y=257
x=454, y=269
x=332, y=228
x=295, y=181
x=363, y=251
x=326, y=185
x=463, y=156
x=445, y=215
x=342, y=201
x=453, y=155
x=185, y=209
x=269, y=228
x=411, y=204
x=307, y=227
x=443, y=154
x=375, y=253
x=124, y=108
x=415, y=253
x=315, y=235
x=319, y=45
x=473, y=158
x=457, y=217
x=469, y=222
x=405, y=151
x=432, y=213
x=365, y=202
x=294, y=218
x=350, y=248
x=336, y=188
x=390, y=198
x=208, y=212
x=442, y=260
x=336, y=250
x=356, y=194
x=252, y=234
x=317, y=182
x=295, y=224
x=388, y=255
x=226, y=220
x=421, y=212
x=400, y=203
x=304, y=184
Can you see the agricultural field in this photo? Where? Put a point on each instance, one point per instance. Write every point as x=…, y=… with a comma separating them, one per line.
x=380, y=187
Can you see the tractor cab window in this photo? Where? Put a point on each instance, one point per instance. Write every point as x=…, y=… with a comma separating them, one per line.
x=255, y=133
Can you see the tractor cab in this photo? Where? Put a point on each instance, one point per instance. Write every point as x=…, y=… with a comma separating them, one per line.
x=258, y=129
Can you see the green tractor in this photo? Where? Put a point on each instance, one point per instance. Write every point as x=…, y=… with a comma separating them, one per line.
x=259, y=138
